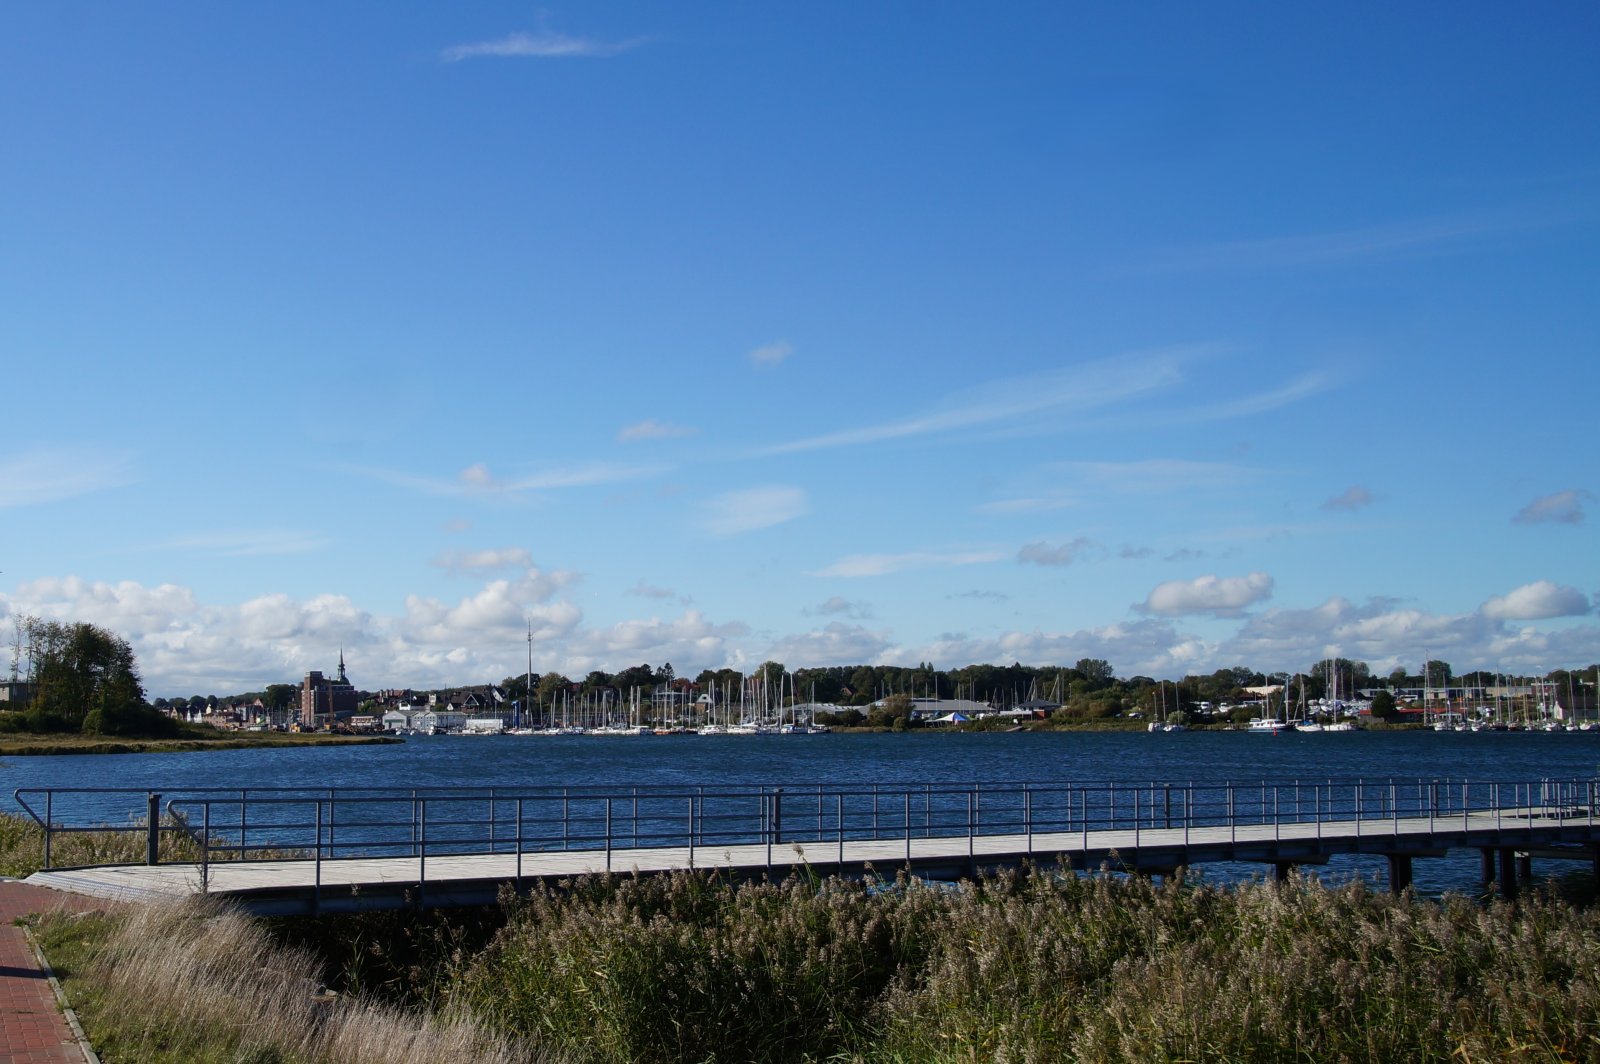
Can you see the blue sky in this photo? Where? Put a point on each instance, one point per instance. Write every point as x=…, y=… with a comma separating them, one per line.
x=1183, y=337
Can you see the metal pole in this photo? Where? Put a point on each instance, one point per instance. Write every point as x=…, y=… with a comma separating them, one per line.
x=422, y=853
x=205, y=847
x=908, y=827
x=152, y=829
x=691, y=833
x=518, y=844
x=49, y=824
x=1027, y=817
x=777, y=816
x=608, y=833
x=316, y=886
x=838, y=815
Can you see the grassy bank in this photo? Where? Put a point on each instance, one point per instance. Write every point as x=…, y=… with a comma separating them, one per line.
x=22, y=745
x=1027, y=968
x=197, y=984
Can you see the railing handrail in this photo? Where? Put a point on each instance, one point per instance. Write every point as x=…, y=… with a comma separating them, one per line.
x=724, y=814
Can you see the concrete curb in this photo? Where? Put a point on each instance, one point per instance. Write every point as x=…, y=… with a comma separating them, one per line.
x=61, y=998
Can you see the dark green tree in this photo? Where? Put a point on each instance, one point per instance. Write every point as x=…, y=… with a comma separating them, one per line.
x=86, y=679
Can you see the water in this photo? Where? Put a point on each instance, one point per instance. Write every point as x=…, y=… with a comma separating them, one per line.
x=1077, y=757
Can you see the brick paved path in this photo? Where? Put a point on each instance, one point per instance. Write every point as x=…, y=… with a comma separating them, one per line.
x=32, y=1029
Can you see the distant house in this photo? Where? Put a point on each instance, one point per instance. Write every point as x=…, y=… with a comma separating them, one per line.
x=15, y=693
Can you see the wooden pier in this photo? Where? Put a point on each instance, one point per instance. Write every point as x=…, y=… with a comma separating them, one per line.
x=352, y=850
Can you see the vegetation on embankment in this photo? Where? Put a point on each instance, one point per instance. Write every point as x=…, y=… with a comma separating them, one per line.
x=17, y=744
x=1030, y=967
x=199, y=984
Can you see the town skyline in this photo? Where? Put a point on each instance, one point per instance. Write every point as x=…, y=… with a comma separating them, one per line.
x=1179, y=339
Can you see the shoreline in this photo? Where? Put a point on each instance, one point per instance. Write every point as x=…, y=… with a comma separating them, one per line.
x=45, y=746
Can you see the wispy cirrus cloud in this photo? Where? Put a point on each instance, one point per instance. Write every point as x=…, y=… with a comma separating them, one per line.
x=650, y=591
x=736, y=512
x=1073, y=389
x=1392, y=239
x=45, y=475
x=1064, y=484
x=542, y=45
x=858, y=565
x=476, y=561
x=838, y=606
x=1562, y=508
x=255, y=542
x=772, y=354
x=1353, y=498
x=651, y=429
x=1042, y=553
x=476, y=481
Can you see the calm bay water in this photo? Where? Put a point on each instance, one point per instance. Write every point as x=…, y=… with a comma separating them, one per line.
x=511, y=761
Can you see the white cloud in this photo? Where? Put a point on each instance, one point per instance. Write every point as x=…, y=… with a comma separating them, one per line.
x=832, y=644
x=469, y=561
x=772, y=354
x=1146, y=647
x=838, y=606
x=1537, y=601
x=1060, y=554
x=36, y=477
x=1214, y=595
x=542, y=45
x=855, y=565
x=1354, y=498
x=651, y=429
x=736, y=512
x=1562, y=508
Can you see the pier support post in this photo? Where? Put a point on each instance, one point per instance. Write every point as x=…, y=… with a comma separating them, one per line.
x=152, y=837
x=1525, y=867
x=1281, y=870
x=1508, y=874
x=1486, y=874
x=1399, y=872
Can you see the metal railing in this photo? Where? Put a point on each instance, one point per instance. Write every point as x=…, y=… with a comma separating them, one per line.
x=324, y=824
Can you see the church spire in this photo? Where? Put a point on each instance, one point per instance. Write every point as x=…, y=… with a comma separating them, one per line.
x=341, y=667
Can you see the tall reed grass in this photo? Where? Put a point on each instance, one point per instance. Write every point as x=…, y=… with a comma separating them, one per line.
x=200, y=983
x=1039, y=967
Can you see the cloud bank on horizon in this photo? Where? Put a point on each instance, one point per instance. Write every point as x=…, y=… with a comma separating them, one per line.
x=626, y=328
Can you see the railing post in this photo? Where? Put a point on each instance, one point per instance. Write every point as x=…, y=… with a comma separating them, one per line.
x=316, y=883
x=908, y=827
x=152, y=829
x=691, y=833
x=244, y=808
x=205, y=847
x=518, y=844
x=608, y=833
x=1394, y=806
x=1027, y=816
x=971, y=826
x=1233, y=823
x=49, y=825
x=422, y=852
x=777, y=815
x=1167, y=803
x=838, y=814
